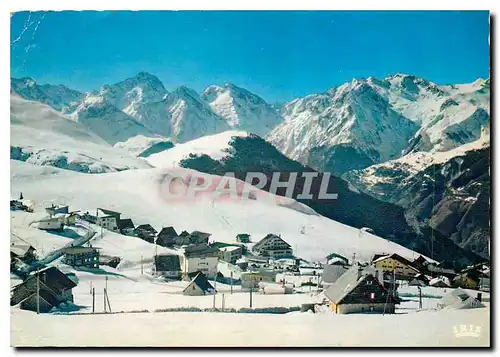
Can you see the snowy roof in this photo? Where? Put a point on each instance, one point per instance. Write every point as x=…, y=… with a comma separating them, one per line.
x=459, y=299
x=20, y=249
x=109, y=212
x=230, y=248
x=397, y=257
x=331, y=273
x=440, y=281
x=346, y=283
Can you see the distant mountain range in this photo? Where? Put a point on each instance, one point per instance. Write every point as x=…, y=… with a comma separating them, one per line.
x=420, y=147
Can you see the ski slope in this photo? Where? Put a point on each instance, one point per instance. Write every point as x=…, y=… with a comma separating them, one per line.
x=211, y=145
x=42, y=136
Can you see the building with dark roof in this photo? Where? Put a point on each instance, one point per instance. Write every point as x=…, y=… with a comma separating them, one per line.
x=167, y=266
x=199, y=286
x=197, y=237
x=146, y=232
x=167, y=237
x=126, y=226
x=273, y=246
x=55, y=288
x=243, y=238
x=87, y=257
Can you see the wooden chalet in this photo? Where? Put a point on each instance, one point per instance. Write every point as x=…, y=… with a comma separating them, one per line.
x=167, y=237
x=87, y=257
x=55, y=288
x=126, y=226
x=199, y=286
x=146, y=232
x=167, y=266
x=359, y=291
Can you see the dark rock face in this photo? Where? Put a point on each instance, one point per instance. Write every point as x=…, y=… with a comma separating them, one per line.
x=156, y=148
x=253, y=154
x=451, y=197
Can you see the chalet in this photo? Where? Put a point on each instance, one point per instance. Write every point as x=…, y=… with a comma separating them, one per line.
x=23, y=252
x=395, y=263
x=87, y=257
x=145, y=232
x=54, y=288
x=252, y=279
x=199, y=286
x=183, y=239
x=108, y=219
x=166, y=237
x=201, y=258
x=68, y=219
x=273, y=246
x=331, y=273
x=53, y=209
x=167, y=266
x=458, y=299
x=230, y=254
x=126, y=226
x=359, y=291
x=51, y=223
x=198, y=237
x=243, y=238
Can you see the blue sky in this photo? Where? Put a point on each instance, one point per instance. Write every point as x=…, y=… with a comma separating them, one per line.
x=278, y=55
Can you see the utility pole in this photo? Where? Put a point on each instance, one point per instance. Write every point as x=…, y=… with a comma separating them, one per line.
x=231, y=283
x=93, y=300
x=215, y=287
x=38, y=292
x=251, y=287
x=419, y=297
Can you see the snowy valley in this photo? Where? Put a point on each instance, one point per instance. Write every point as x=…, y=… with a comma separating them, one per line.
x=118, y=151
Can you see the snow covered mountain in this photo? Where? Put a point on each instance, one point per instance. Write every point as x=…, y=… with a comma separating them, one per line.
x=447, y=190
x=448, y=115
x=371, y=121
x=107, y=121
x=182, y=115
x=348, y=127
x=127, y=94
x=58, y=97
x=43, y=136
x=242, y=109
